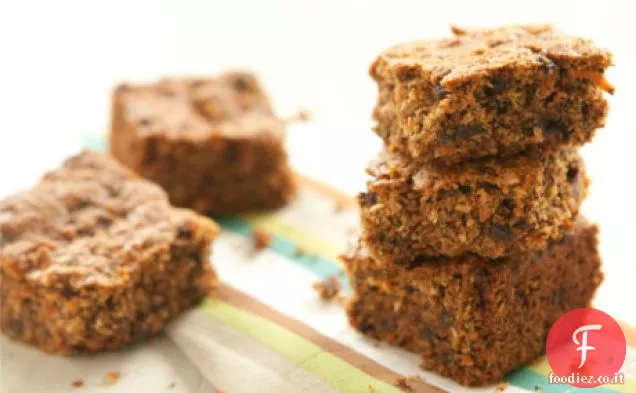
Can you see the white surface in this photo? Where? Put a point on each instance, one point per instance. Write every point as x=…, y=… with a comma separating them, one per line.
x=59, y=61
x=156, y=367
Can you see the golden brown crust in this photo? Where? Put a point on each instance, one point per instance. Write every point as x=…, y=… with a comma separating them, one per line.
x=94, y=257
x=468, y=318
x=491, y=208
x=490, y=92
x=451, y=62
x=213, y=144
x=232, y=106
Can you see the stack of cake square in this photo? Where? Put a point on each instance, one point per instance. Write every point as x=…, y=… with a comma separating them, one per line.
x=472, y=245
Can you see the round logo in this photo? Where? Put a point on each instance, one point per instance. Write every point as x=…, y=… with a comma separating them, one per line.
x=585, y=348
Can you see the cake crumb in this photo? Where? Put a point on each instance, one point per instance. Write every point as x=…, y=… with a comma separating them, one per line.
x=303, y=115
x=328, y=289
x=501, y=387
x=402, y=382
x=339, y=207
x=78, y=383
x=409, y=383
x=299, y=251
x=112, y=377
x=172, y=385
x=262, y=239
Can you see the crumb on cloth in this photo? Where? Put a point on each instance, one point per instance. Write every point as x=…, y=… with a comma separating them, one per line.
x=262, y=239
x=502, y=387
x=299, y=251
x=111, y=377
x=78, y=383
x=409, y=383
x=402, y=382
x=302, y=115
x=328, y=289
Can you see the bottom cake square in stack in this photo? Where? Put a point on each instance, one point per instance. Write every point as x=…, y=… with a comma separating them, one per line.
x=474, y=319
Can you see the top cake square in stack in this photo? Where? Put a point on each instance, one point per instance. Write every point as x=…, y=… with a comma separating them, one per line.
x=490, y=93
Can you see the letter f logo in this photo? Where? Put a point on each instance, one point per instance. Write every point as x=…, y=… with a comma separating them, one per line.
x=583, y=344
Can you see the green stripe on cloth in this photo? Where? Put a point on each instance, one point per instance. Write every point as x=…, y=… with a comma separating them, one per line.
x=330, y=368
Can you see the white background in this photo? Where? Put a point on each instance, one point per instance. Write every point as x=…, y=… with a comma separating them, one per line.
x=60, y=59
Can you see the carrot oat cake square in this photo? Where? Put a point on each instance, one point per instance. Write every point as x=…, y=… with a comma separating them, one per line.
x=213, y=144
x=95, y=257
